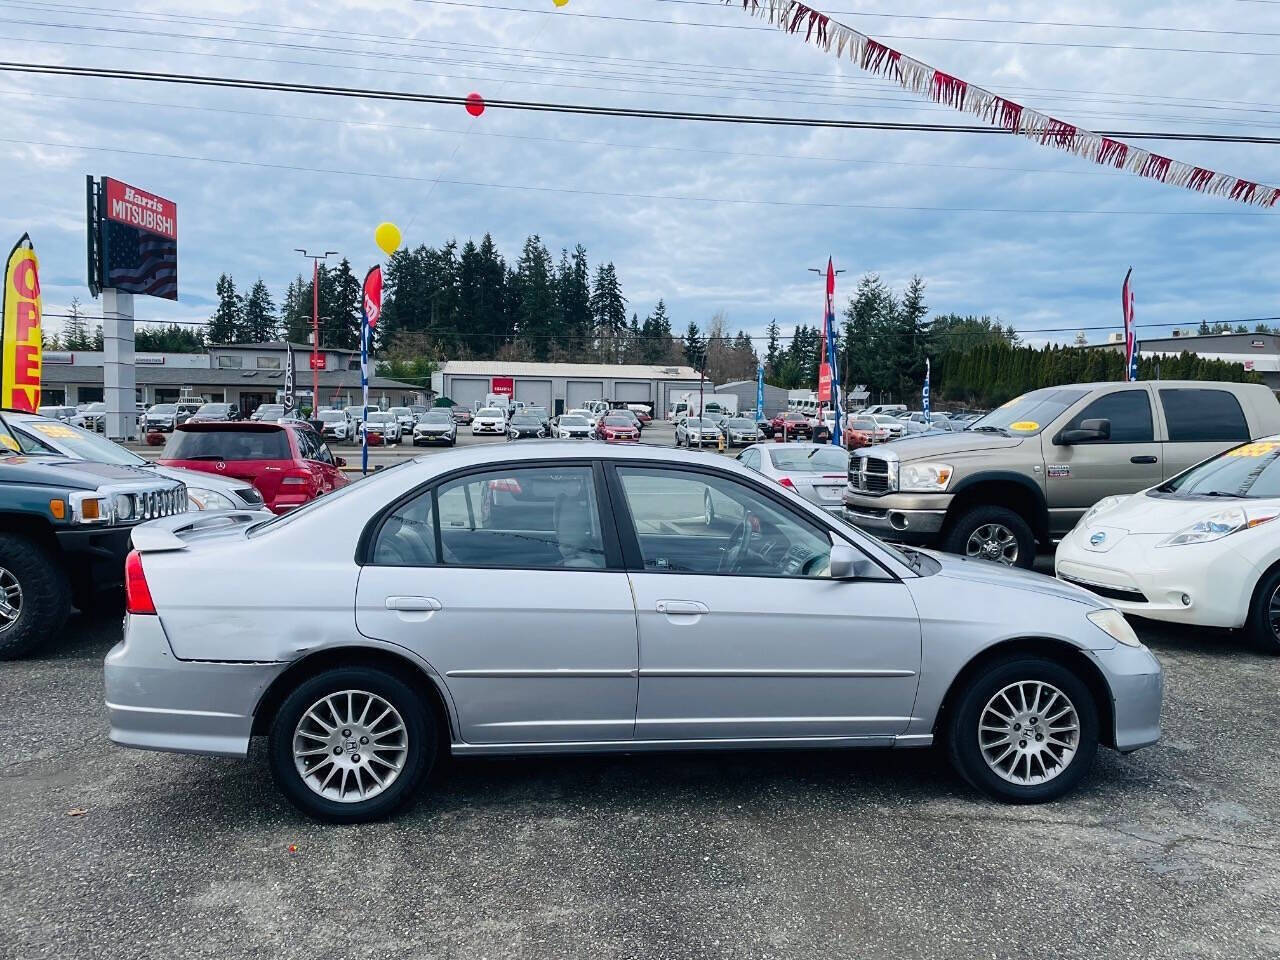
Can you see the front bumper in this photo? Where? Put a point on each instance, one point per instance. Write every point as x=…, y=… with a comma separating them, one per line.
x=1137, y=691
x=487, y=428
x=99, y=551
x=157, y=702
x=908, y=517
x=421, y=437
x=1140, y=580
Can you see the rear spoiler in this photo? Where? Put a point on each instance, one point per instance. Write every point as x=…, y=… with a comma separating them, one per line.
x=167, y=533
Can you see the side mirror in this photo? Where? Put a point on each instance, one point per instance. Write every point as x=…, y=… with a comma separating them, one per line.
x=340, y=462
x=1089, y=431
x=846, y=563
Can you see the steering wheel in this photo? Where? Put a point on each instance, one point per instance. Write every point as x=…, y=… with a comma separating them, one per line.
x=735, y=550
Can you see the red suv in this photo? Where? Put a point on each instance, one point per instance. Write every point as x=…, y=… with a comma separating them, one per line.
x=287, y=462
x=797, y=425
x=617, y=428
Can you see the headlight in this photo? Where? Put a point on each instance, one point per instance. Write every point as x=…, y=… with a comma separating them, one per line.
x=924, y=477
x=123, y=505
x=202, y=499
x=1102, y=506
x=1112, y=622
x=1219, y=525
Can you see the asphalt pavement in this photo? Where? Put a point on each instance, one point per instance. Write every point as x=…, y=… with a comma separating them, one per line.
x=1172, y=852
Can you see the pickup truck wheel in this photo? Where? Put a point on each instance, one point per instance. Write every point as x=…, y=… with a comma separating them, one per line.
x=35, y=597
x=351, y=745
x=996, y=534
x=1025, y=730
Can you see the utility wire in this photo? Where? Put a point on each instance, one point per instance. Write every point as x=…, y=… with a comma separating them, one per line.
x=365, y=93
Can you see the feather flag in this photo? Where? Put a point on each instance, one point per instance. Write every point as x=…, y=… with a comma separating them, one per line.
x=832, y=36
x=372, y=308
x=1130, y=334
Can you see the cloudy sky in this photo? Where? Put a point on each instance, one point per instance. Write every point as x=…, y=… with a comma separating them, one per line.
x=708, y=216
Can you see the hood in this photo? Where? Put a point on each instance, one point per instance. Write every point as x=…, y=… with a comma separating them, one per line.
x=925, y=446
x=58, y=471
x=1159, y=515
x=985, y=572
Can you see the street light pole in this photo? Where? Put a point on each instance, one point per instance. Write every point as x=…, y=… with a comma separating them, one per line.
x=316, y=260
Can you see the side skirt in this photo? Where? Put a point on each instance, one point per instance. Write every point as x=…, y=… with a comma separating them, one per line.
x=657, y=746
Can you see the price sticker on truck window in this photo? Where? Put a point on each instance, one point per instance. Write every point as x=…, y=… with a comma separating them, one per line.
x=1025, y=426
x=58, y=431
x=1254, y=449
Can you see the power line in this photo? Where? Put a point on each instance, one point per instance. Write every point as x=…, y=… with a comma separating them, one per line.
x=624, y=195
x=582, y=109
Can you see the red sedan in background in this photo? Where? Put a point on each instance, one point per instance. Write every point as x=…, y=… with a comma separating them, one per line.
x=288, y=462
x=617, y=429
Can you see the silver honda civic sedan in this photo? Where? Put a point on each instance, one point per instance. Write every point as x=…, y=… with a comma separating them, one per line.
x=566, y=599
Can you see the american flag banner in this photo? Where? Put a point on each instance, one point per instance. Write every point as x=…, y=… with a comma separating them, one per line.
x=1130, y=335
x=135, y=261
x=829, y=334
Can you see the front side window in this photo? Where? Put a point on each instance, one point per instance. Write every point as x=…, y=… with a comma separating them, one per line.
x=535, y=518
x=702, y=523
x=1129, y=412
x=1194, y=415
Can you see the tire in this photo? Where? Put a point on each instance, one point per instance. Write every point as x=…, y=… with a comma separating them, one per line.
x=1010, y=533
x=971, y=708
x=42, y=595
x=416, y=759
x=1259, y=625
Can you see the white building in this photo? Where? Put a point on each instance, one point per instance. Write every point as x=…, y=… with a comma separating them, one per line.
x=563, y=386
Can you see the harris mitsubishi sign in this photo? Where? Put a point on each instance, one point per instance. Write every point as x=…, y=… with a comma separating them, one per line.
x=133, y=240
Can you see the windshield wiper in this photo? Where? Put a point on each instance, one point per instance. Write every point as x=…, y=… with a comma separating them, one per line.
x=987, y=428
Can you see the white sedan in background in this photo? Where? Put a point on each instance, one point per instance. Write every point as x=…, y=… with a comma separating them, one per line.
x=573, y=426
x=581, y=412
x=489, y=420
x=1198, y=549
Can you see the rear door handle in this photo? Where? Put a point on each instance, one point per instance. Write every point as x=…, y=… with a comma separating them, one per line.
x=416, y=604
x=681, y=607
x=1146, y=459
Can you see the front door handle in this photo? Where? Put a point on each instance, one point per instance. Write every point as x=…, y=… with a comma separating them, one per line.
x=1146, y=459
x=679, y=608
x=415, y=604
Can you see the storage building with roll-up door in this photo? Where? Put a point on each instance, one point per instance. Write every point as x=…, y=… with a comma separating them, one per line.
x=563, y=386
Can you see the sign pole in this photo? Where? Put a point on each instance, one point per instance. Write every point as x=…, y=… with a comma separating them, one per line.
x=119, y=378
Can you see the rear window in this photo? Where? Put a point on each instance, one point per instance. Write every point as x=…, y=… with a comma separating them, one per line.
x=228, y=445
x=1195, y=415
x=810, y=460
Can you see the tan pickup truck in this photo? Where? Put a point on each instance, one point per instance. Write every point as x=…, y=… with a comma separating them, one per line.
x=1025, y=473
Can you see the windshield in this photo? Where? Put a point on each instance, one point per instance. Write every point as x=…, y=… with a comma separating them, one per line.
x=741, y=423
x=380, y=418
x=489, y=412
x=1249, y=471
x=1030, y=413
x=228, y=445
x=7, y=440
x=271, y=410
x=568, y=421
x=438, y=417
x=810, y=459
x=524, y=420
x=214, y=409
x=697, y=422
x=164, y=408
x=81, y=444
x=618, y=422
x=402, y=411
x=863, y=424
x=329, y=416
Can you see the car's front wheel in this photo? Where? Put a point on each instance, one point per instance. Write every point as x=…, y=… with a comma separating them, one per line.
x=351, y=744
x=35, y=596
x=1024, y=730
x=992, y=533
x=1263, y=624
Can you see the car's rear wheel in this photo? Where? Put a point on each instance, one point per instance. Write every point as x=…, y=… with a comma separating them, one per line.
x=35, y=596
x=1024, y=730
x=351, y=744
x=995, y=534
x=1264, y=613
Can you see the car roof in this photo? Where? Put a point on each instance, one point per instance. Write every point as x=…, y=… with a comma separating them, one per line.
x=237, y=425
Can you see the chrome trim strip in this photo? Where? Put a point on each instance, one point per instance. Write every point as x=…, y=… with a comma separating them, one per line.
x=166, y=710
x=640, y=746
x=745, y=673
x=539, y=674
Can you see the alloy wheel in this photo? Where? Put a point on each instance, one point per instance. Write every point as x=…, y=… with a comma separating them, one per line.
x=10, y=599
x=1029, y=733
x=1273, y=612
x=994, y=542
x=350, y=746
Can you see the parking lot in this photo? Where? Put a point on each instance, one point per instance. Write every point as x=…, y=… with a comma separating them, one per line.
x=1172, y=852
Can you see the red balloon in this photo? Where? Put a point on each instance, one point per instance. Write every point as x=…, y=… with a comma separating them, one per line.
x=475, y=104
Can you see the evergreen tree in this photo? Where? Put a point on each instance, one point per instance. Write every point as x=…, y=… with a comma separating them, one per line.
x=343, y=328
x=296, y=311
x=608, y=311
x=536, y=319
x=695, y=349
x=1204, y=328
x=75, y=329
x=655, y=335
x=260, y=322
x=773, y=353
x=227, y=323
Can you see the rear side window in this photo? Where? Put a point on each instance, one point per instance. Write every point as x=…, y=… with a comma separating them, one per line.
x=1129, y=412
x=408, y=537
x=228, y=445
x=1195, y=415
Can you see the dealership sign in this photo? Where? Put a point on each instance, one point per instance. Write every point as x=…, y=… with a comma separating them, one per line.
x=137, y=208
x=133, y=240
x=504, y=385
x=20, y=343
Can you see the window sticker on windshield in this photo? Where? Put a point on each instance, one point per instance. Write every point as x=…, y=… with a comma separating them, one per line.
x=1026, y=426
x=9, y=443
x=1254, y=449
x=57, y=430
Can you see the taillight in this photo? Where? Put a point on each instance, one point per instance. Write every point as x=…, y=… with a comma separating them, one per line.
x=786, y=482
x=137, y=594
x=297, y=478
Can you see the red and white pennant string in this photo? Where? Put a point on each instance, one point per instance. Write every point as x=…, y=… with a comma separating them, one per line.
x=920, y=78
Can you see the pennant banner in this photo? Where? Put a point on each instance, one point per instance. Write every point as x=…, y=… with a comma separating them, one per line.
x=20, y=342
x=834, y=37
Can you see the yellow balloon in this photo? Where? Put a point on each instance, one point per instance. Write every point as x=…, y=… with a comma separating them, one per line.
x=387, y=237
